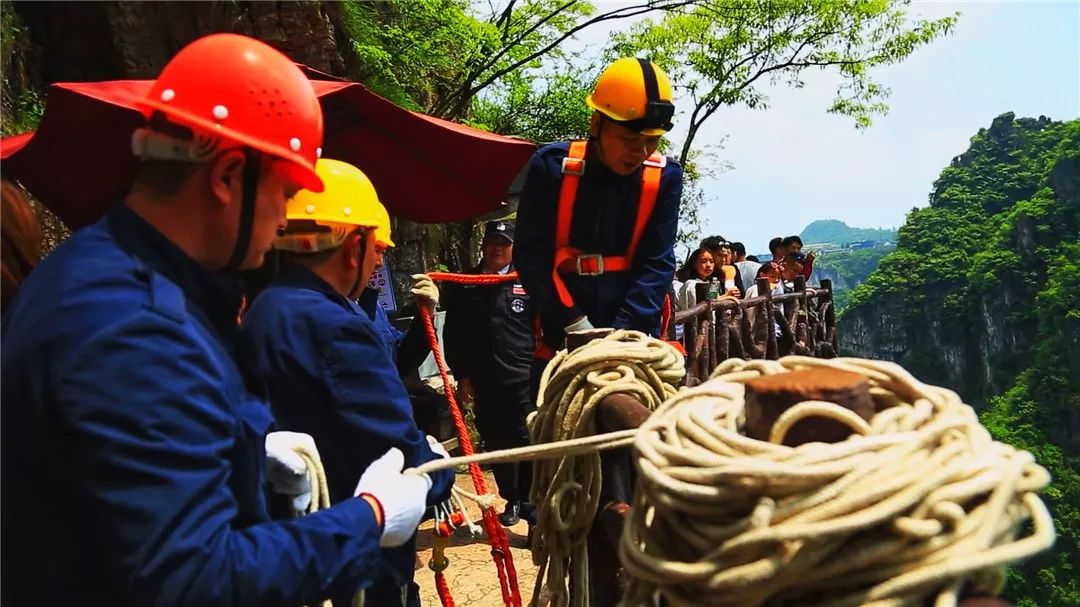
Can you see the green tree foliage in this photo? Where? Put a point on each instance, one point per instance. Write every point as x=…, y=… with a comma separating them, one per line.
x=1030, y=415
x=537, y=105
x=21, y=107
x=992, y=269
x=412, y=53
x=439, y=55
x=838, y=232
x=721, y=52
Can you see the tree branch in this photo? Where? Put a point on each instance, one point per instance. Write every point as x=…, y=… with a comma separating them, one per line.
x=466, y=91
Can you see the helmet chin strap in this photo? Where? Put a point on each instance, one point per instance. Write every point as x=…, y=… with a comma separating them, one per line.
x=252, y=159
x=354, y=291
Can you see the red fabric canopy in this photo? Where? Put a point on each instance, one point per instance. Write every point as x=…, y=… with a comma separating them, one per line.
x=79, y=161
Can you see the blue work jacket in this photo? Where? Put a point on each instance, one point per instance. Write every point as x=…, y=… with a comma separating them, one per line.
x=133, y=454
x=328, y=373
x=603, y=222
x=407, y=349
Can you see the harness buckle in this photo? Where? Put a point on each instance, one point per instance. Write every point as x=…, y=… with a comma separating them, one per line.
x=573, y=166
x=593, y=265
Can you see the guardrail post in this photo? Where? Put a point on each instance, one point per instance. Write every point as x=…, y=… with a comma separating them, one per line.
x=765, y=289
x=830, y=316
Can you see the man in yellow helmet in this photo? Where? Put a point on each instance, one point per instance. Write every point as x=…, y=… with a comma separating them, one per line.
x=597, y=219
x=407, y=349
x=324, y=364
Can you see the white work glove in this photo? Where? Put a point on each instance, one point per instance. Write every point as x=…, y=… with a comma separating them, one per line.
x=425, y=290
x=402, y=497
x=437, y=447
x=285, y=469
x=581, y=324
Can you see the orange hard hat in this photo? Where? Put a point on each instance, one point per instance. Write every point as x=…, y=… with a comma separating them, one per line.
x=244, y=91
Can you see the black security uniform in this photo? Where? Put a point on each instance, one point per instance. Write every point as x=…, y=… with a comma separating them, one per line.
x=489, y=340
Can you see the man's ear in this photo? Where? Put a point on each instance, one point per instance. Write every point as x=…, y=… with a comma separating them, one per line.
x=352, y=245
x=227, y=175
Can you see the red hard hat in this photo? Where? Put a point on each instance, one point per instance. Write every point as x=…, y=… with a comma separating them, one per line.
x=245, y=91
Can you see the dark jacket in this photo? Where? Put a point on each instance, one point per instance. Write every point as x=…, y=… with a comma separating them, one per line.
x=328, y=373
x=603, y=222
x=488, y=331
x=136, y=451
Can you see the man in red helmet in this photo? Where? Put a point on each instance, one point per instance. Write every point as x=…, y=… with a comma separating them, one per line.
x=139, y=452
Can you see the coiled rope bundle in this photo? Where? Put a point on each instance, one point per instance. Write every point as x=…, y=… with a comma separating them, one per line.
x=914, y=504
x=567, y=489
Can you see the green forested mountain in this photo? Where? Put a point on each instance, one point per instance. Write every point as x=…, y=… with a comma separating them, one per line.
x=983, y=295
x=838, y=232
x=848, y=268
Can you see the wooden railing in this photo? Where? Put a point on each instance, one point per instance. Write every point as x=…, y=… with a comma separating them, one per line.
x=715, y=330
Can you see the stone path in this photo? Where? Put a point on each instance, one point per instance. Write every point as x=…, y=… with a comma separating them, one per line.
x=471, y=576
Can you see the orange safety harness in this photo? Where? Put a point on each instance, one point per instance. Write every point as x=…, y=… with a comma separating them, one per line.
x=570, y=260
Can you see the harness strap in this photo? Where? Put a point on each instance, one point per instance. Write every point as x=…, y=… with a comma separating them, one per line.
x=252, y=159
x=571, y=260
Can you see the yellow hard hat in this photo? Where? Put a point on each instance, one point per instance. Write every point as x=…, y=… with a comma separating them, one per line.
x=635, y=93
x=382, y=231
x=321, y=221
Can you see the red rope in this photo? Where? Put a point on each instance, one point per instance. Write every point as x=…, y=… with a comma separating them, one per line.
x=473, y=279
x=444, y=590
x=500, y=545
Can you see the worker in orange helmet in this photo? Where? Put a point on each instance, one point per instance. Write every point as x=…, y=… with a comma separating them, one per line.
x=140, y=456
x=597, y=219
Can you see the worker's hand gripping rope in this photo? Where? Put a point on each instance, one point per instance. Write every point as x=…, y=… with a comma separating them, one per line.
x=425, y=291
x=287, y=457
x=400, y=495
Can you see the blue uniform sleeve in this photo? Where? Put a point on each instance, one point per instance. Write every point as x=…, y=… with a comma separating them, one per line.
x=534, y=242
x=654, y=263
x=373, y=401
x=154, y=427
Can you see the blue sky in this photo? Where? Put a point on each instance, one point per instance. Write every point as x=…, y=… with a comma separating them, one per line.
x=793, y=162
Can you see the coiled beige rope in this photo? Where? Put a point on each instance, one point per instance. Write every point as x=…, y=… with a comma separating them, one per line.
x=566, y=489
x=320, y=498
x=320, y=490
x=914, y=504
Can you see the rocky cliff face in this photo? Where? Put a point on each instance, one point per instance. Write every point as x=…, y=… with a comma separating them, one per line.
x=955, y=302
x=982, y=296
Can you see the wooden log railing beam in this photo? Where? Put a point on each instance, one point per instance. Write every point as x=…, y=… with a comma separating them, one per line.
x=802, y=322
x=607, y=583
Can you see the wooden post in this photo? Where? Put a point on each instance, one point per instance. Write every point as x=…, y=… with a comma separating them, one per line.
x=723, y=323
x=703, y=367
x=619, y=411
x=735, y=343
x=690, y=343
x=750, y=348
x=830, y=316
x=712, y=340
x=771, y=352
x=792, y=306
x=767, y=397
